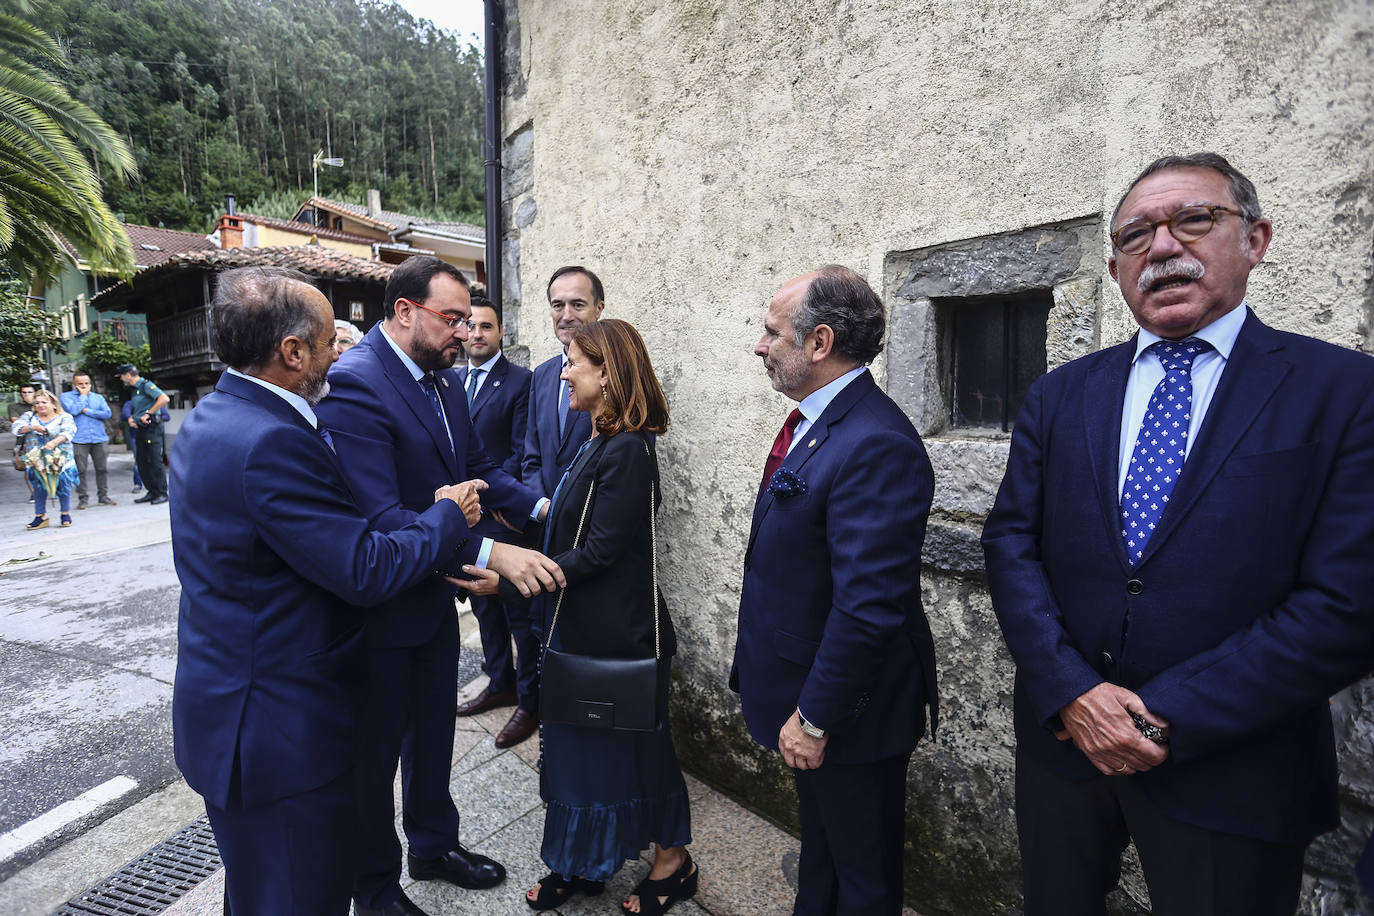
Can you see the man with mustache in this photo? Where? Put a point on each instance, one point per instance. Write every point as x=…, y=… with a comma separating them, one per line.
x=1179, y=557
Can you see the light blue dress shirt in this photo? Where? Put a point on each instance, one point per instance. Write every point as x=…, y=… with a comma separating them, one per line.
x=815, y=403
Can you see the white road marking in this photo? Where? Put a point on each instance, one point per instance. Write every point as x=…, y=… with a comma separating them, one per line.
x=46, y=825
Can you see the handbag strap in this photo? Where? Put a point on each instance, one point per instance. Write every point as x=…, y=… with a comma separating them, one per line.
x=653, y=559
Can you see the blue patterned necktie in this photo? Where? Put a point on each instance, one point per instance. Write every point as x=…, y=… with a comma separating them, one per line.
x=563, y=402
x=1160, y=446
x=473, y=376
x=432, y=392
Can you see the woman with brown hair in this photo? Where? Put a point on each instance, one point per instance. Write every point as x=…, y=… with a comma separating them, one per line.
x=47, y=432
x=610, y=793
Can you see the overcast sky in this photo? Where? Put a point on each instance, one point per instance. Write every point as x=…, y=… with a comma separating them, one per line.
x=461, y=16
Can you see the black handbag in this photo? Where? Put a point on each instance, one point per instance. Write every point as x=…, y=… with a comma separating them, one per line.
x=596, y=692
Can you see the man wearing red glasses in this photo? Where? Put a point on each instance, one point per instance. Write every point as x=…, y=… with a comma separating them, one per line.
x=399, y=420
x=1180, y=559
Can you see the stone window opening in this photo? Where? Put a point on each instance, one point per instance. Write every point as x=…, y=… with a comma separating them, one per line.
x=994, y=348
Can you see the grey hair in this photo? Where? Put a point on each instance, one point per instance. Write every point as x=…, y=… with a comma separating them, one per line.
x=842, y=300
x=1242, y=189
x=255, y=309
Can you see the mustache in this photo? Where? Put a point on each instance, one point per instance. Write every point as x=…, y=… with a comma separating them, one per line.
x=1185, y=267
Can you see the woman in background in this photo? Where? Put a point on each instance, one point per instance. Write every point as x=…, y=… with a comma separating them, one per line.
x=48, y=429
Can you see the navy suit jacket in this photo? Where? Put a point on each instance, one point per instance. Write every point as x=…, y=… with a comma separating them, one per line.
x=830, y=614
x=273, y=557
x=547, y=454
x=500, y=410
x=1253, y=601
x=395, y=453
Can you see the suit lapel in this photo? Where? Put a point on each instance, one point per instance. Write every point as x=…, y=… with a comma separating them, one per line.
x=496, y=374
x=1103, y=395
x=1248, y=382
x=414, y=397
x=810, y=444
x=278, y=407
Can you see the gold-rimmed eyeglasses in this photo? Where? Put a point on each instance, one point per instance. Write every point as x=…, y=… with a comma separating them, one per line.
x=1187, y=224
x=453, y=322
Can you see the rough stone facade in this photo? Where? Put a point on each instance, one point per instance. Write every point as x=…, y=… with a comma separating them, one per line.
x=697, y=154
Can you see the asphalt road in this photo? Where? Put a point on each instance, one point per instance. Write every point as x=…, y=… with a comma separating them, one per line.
x=87, y=655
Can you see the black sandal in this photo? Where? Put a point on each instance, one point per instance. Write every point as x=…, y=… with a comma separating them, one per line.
x=554, y=891
x=680, y=885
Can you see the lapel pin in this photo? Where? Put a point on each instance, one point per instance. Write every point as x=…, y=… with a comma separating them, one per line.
x=444, y=380
x=496, y=384
x=811, y=444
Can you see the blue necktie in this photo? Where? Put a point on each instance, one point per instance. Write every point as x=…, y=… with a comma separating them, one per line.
x=1160, y=446
x=473, y=376
x=562, y=402
x=328, y=440
x=432, y=391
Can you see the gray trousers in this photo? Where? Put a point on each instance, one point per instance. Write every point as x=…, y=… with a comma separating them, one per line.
x=97, y=453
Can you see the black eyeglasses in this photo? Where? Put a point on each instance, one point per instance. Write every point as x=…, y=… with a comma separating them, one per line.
x=1187, y=224
x=453, y=323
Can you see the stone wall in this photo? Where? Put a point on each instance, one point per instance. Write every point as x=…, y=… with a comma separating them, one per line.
x=697, y=154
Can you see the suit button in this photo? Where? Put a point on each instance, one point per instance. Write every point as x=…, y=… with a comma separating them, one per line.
x=1107, y=659
x=1135, y=587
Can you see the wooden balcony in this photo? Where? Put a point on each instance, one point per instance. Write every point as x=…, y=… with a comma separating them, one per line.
x=181, y=344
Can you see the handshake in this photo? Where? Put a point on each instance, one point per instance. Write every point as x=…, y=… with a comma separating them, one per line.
x=528, y=570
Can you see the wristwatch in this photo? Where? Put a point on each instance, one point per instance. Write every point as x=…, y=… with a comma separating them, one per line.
x=808, y=728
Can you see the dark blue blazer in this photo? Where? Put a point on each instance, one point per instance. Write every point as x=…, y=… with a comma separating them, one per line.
x=500, y=410
x=830, y=615
x=547, y=454
x=395, y=453
x=1253, y=602
x=273, y=555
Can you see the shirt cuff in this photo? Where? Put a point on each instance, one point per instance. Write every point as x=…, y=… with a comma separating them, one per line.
x=484, y=554
x=539, y=507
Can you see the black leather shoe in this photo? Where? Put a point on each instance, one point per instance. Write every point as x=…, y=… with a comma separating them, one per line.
x=146, y=498
x=486, y=700
x=522, y=724
x=403, y=907
x=157, y=500
x=460, y=867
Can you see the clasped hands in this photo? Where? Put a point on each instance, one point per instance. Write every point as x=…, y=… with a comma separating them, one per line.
x=1099, y=724
x=528, y=570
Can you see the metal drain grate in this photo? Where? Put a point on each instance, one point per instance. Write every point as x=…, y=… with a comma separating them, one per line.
x=156, y=879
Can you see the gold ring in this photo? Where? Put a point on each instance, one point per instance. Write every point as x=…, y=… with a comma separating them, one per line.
x=1122, y=769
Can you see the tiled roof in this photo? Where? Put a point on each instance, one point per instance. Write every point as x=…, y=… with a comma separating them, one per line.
x=392, y=220
x=308, y=259
x=290, y=225
x=153, y=246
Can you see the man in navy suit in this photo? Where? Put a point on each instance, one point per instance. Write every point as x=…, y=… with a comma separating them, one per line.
x=555, y=433
x=498, y=394
x=834, y=662
x=275, y=559
x=1179, y=557
x=400, y=423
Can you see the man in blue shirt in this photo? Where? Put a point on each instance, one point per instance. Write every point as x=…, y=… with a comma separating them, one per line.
x=147, y=399
x=92, y=442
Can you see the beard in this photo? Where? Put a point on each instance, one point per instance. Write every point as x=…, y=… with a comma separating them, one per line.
x=316, y=386
x=431, y=358
x=789, y=373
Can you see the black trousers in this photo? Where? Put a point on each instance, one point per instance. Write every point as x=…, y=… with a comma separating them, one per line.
x=1073, y=834
x=499, y=621
x=148, y=457
x=853, y=820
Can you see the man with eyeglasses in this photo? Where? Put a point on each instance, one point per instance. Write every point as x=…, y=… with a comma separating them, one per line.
x=498, y=393
x=1180, y=560
x=400, y=424
x=554, y=432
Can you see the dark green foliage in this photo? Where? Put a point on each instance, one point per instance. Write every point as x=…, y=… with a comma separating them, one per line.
x=235, y=96
x=101, y=354
x=25, y=329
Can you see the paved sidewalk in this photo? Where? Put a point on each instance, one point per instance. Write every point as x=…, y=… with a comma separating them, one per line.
x=741, y=856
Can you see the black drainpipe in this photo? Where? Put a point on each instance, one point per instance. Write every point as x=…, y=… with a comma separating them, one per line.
x=492, y=89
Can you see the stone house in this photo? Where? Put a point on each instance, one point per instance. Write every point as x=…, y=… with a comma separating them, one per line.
x=966, y=158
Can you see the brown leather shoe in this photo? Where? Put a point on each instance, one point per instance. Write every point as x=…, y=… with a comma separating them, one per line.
x=522, y=724
x=486, y=700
